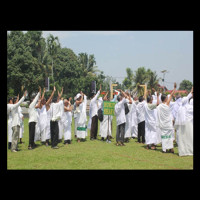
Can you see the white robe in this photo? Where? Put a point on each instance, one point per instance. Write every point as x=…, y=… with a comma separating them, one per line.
x=105, y=126
x=184, y=124
x=128, y=124
x=9, y=115
x=67, y=125
x=48, y=133
x=150, y=126
x=21, y=123
x=134, y=123
x=82, y=119
x=164, y=121
x=37, y=127
x=43, y=122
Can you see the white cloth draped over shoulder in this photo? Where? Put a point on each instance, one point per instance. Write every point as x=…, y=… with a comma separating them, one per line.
x=128, y=125
x=82, y=119
x=140, y=111
x=151, y=135
x=164, y=123
x=184, y=125
x=134, y=122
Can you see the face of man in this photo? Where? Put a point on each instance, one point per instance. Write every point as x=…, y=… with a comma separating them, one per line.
x=11, y=101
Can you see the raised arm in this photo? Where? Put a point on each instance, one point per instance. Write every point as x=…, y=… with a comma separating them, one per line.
x=172, y=93
x=157, y=98
x=35, y=99
x=105, y=97
x=43, y=94
x=49, y=100
x=20, y=101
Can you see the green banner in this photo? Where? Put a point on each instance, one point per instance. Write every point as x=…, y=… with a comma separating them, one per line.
x=109, y=108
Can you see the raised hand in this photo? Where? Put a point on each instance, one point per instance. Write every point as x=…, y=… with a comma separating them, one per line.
x=25, y=93
x=54, y=88
x=174, y=85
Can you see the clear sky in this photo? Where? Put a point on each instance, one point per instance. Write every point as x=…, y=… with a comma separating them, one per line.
x=114, y=51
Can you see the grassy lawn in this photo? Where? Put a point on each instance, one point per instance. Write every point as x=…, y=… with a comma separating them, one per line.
x=94, y=155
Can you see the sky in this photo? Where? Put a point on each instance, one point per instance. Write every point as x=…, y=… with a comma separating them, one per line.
x=114, y=51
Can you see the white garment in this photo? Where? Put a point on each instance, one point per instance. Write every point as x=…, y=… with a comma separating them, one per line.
x=37, y=126
x=134, y=122
x=82, y=119
x=164, y=120
x=57, y=110
x=32, y=110
x=21, y=122
x=105, y=126
x=9, y=115
x=14, y=112
x=140, y=111
x=184, y=126
x=150, y=126
x=48, y=133
x=120, y=111
x=128, y=125
x=67, y=124
x=93, y=105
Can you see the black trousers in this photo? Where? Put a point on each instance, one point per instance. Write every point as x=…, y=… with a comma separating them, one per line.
x=54, y=129
x=120, y=133
x=94, y=127
x=31, y=133
x=141, y=131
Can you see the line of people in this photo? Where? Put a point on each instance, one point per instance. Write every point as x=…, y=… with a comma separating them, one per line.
x=152, y=120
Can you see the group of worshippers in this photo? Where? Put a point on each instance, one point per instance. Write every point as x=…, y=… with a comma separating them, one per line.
x=152, y=119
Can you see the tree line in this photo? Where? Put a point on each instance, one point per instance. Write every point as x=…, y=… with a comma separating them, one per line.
x=31, y=58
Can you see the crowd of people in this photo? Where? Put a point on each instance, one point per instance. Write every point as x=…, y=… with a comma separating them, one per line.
x=154, y=118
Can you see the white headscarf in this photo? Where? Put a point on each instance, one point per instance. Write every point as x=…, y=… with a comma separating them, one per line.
x=77, y=96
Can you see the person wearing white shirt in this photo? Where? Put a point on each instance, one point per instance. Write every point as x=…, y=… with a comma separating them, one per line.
x=21, y=124
x=141, y=119
x=93, y=115
x=33, y=119
x=81, y=103
x=120, y=117
x=56, y=112
x=165, y=124
x=9, y=116
x=16, y=122
x=67, y=121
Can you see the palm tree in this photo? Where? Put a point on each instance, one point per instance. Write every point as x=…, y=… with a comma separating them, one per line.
x=153, y=79
x=140, y=78
x=88, y=64
x=52, y=45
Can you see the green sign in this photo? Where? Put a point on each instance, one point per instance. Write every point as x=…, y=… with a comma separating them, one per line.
x=108, y=108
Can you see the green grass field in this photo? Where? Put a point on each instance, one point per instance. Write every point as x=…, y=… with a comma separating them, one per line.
x=94, y=155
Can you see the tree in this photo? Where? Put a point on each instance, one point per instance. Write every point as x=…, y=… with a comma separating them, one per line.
x=140, y=78
x=186, y=85
x=152, y=80
x=128, y=81
x=52, y=45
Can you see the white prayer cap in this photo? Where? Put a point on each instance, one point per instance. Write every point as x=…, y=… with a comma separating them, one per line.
x=77, y=96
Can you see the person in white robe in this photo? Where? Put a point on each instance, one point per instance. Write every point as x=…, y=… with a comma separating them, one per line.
x=128, y=124
x=67, y=121
x=106, y=124
x=43, y=119
x=75, y=118
x=184, y=124
x=100, y=106
x=33, y=120
x=134, y=122
x=9, y=117
x=150, y=123
x=81, y=103
x=21, y=124
x=165, y=123
x=16, y=122
x=120, y=117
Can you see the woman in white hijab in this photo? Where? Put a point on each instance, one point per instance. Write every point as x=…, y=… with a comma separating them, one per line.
x=184, y=124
